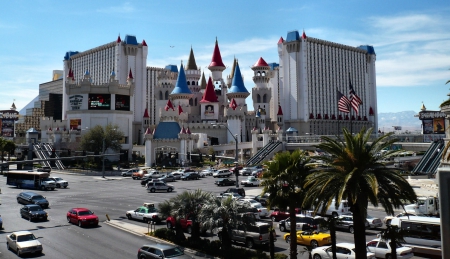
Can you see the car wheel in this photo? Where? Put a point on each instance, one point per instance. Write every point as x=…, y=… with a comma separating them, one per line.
x=58, y=186
x=351, y=229
x=79, y=223
x=314, y=244
x=388, y=222
x=129, y=216
x=169, y=190
x=53, y=189
x=249, y=243
x=18, y=252
x=334, y=214
x=388, y=256
x=316, y=256
x=68, y=220
x=169, y=225
x=65, y=186
x=282, y=228
x=288, y=239
x=43, y=187
x=189, y=230
x=142, y=257
x=152, y=190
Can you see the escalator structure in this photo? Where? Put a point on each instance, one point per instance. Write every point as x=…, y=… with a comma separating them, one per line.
x=44, y=151
x=431, y=159
x=265, y=153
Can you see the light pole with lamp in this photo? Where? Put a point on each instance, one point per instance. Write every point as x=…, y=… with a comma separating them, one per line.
x=235, y=152
x=103, y=158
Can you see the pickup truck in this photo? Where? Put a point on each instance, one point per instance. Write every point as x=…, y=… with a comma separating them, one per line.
x=251, y=181
x=146, y=213
x=186, y=224
x=251, y=234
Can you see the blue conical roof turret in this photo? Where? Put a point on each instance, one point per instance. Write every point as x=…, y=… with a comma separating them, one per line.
x=181, y=85
x=237, y=86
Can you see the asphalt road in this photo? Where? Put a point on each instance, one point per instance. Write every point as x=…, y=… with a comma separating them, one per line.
x=112, y=196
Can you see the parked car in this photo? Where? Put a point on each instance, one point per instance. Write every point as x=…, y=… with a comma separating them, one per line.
x=47, y=169
x=167, y=178
x=33, y=212
x=387, y=219
x=224, y=182
x=33, y=198
x=374, y=222
x=251, y=235
x=190, y=176
x=177, y=175
x=186, y=223
x=303, y=222
x=23, y=242
x=146, y=213
x=343, y=250
x=159, y=186
x=60, y=183
x=209, y=171
x=160, y=250
x=82, y=217
x=247, y=170
x=237, y=190
x=345, y=222
x=130, y=172
x=251, y=181
x=257, y=173
x=140, y=174
x=262, y=198
x=310, y=238
x=262, y=211
x=201, y=174
x=233, y=195
x=382, y=249
x=222, y=173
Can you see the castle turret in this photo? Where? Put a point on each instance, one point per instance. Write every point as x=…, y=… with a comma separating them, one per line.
x=216, y=66
x=192, y=73
x=209, y=104
x=181, y=95
x=261, y=93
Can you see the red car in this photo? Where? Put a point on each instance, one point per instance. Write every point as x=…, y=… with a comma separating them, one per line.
x=186, y=225
x=82, y=217
x=278, y=215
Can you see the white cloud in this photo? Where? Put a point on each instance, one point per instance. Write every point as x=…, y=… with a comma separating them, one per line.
x=124, y=8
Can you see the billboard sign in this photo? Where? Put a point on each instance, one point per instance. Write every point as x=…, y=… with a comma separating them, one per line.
x=99, y=102
x=427, y=126
x=75, y=124
x=438, y=126
x=122, y=102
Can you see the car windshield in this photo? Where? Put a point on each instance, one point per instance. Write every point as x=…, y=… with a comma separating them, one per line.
x=35, y=208
x=25, y=238
x=173, y=252
x=58, y=179
x=258, y=206
x=84, y=213
x=37, y=198
x=46, y=179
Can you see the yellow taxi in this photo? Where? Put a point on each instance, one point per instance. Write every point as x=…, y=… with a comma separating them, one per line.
x=310, y=238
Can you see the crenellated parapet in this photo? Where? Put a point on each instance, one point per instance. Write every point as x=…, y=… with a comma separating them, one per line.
x=85, y=86
x=240, y=111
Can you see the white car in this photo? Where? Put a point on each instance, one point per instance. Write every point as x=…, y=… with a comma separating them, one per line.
x=222, y=173
x=343, y=250
x=374, y=222
x=233, y=196
x=60, y=183
x=382, y=249
x=146, y=213
x=23, y=242
x=251, y=181
x=208, y=171
x=130, y=172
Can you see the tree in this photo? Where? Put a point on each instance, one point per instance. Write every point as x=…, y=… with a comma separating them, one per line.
x=395, y=235
x=110, y=134
x=284, y=180
x=354, y=171
x=6, y=146
x=223, y=213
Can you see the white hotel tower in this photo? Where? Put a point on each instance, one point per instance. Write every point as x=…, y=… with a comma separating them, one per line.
x=309, y=74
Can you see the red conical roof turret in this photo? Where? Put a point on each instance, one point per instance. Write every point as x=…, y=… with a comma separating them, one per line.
x=303, y=35
x=169, y=105
x=130, y=75
x=233, y=104
x=183, y=131
x=280, y=111
x=146, y=113
x=209, y=96
x=148, y=131
x=144, y=43
x=119, y=40
x=261, y=63
x=216, y=60
x=281, y=40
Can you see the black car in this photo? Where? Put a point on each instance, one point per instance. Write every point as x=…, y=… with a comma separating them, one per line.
x=190, y=176
x=239, y=191
x=262, y=198
x=225, y=181
x=32, y=198
x=33, y=212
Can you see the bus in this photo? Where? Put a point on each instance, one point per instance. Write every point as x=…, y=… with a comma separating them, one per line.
x=30, y=180
x=423, y=234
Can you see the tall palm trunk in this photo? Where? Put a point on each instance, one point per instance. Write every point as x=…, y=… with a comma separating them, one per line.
x=293, y=232
x=359, y=221
x=332, y=226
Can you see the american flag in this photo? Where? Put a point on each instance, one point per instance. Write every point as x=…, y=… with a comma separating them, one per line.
x=354, y=99
x=343, y=102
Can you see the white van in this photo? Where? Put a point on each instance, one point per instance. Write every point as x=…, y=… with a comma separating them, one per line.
x=422, y=231
x=335, y=211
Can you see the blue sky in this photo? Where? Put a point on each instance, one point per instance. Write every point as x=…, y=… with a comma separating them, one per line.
x=411, y=39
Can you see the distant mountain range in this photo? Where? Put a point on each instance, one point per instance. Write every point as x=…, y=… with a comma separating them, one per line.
x=405, y=119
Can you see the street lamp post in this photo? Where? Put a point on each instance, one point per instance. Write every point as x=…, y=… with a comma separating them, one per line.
x=103, y=159
x=235, y=152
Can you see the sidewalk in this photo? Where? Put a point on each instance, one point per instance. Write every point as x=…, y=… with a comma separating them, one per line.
x=142, y=231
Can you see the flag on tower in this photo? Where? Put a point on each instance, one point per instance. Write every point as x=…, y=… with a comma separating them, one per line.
x=354, y=99
x=233, y=104
x=180, y=110
x=343, y=102
x=169, y=105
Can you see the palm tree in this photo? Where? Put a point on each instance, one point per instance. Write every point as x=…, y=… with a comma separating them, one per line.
x=165, y=210
x=283, y=180
x=223, y=213
x=355, y=172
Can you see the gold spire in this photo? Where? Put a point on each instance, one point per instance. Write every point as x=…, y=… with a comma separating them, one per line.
x=423, y=107
x=203, y=81
x=191, y=65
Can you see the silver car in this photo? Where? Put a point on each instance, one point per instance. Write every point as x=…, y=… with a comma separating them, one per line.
x=23, y=242
x=161, y=251
x=159, y=187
